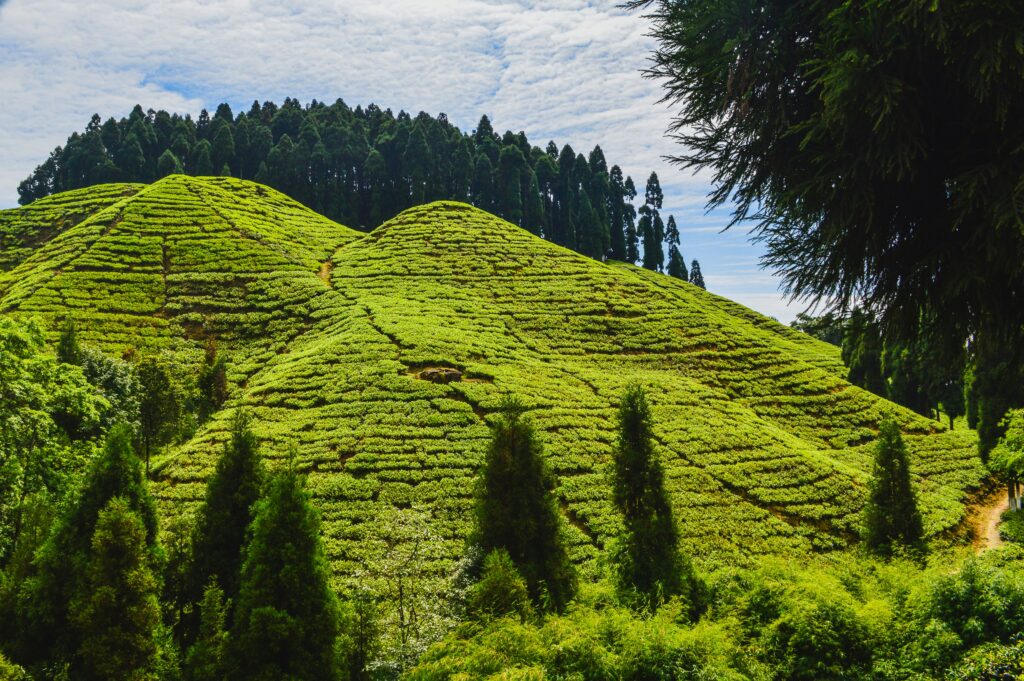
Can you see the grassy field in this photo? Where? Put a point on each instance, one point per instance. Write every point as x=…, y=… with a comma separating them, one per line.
x=767, y=449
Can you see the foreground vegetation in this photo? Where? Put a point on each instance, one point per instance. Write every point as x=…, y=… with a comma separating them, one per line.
x=104, y=588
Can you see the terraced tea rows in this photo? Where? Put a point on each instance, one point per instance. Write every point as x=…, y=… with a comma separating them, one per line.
x=767, y=448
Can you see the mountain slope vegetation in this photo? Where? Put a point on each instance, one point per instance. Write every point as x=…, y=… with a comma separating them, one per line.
x=338, y=341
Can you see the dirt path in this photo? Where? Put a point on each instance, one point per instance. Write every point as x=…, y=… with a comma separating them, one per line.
x=984, y=520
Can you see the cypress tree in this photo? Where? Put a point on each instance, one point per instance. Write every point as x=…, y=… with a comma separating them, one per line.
x=205, y=660
x=118, y=614
x=286, y=618
x=676, y=264
x=62, y=563
x=891, y=516
x=516, y=509
x=696, y=276
x=168, y=164
x=68, y=349
x=649, y=566
x=203, y=163
x=212, y=381
x=632, y=236
x=227, y=511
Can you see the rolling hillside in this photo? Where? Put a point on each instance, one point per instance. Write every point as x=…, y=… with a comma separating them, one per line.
x=332, y=334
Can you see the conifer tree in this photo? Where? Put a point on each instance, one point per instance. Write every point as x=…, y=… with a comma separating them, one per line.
x=891, y=516
x=286, y=619
x=649, y=566
x=632, y=233
x=62, y=563
x=117, y=615
x=68, y=349
x=168, y=164
x=159, y=408
x=205, y=660
x=676, y=265
x=218, y=540
x=516, y=509
x=212, y=381
x=203, y=163
x=696, y=276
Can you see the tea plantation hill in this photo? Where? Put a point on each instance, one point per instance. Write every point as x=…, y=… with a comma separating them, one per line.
x=767, y=449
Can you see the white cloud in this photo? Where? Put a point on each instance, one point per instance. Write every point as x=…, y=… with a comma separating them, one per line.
x=566, y=70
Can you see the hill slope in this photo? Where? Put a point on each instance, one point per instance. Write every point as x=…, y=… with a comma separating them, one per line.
x=766, y=448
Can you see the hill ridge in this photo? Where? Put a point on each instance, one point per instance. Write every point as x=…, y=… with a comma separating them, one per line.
x=766, y=447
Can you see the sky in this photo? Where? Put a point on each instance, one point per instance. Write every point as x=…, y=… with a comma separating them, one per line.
x=566, y=70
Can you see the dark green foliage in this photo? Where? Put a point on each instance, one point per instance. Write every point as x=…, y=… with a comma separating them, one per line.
x=891, y=517
x=363, y=166
x=227, y=511
x=286, y=616
x=68, y=349
x=46, y=411
x=159, y=407
x=212, y=382
x=516, y=509
x=829, y=327
x=877, y=146
x=117, y=614
x=116, y=381
x=501, y=590
x=361, y=633
x=696, y=276
x=676, y=265
x=862, y=352
x=206, y=659
x=649, y=566
x=168, y=164
x=61, y=565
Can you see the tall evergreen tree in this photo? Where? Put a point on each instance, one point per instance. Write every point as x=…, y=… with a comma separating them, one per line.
x=68, y=349
x=202, y=163
x=159, y=408
x=696, y=276
x=227, y=511
x=649, y=566
x=206, y=659
x=516, y=509
x=862, y=352
x=117, y=614
x=632, y=233
x=286, y=618
x=212, y=381
x=891, y=516
x=168, y=164
x=62, y=563
x=676, y=265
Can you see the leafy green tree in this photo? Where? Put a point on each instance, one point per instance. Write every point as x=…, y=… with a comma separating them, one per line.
x=168, y=164
x=46, y=407
x=876, y=145
x=68, y=349
x=61, y=565
x=829, y=327
x=891, y=516
x=516, y=509
x=1007, y=459
x=117, y=615
x=226, y=514
x=159, y=407
x=222, y=149
x=501, y=590
x=696, y=276
x=115, y=380
x=649, y=567
x=286, y=618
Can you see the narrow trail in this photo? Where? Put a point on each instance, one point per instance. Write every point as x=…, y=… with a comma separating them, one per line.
x=984, y=519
